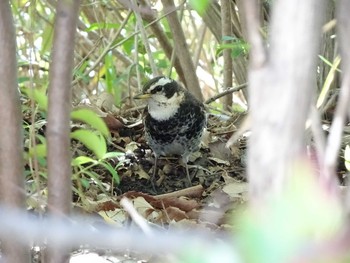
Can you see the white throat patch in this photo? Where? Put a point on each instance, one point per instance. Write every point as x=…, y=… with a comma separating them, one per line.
x=162, y=108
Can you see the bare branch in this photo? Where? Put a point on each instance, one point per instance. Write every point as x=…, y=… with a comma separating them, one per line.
x=162, y=37
x=11, y=150
x=58, y=128
x=145, y=39
x=229, y=90
x=227, y=32
x=182, y=51
x=252, y=15
x=280, y=91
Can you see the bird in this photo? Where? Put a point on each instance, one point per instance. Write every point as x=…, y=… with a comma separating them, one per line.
x=174, y=120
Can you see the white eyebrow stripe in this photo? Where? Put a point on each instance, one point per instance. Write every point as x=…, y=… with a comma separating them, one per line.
x=161, y=82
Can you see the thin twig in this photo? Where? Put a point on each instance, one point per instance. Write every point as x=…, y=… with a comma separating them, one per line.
x=198, y=50
x=226, y=31
x=148, y=25
x=106, y=50
x=316, y=128
x=225, y=92
x=139, y=220
x=145, y=39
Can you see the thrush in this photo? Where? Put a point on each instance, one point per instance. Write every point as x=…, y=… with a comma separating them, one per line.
x=174, y=120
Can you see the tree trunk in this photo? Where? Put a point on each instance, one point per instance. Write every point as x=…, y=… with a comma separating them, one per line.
x=282, y=81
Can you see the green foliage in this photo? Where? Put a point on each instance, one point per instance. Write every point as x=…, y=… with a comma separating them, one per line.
x=90, y=117
x=200, y=5
x=112, y=79
x=98, y=26
x=347, y=157
x=93, y=137
x=80, y=74
x=329, y=79
x=238, y=47
x=94, y=142
x=38, y=150
x=111, y=73
x=38, y=95
x=84, y=165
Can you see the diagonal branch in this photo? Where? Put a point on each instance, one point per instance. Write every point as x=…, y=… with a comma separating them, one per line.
x=182, y=51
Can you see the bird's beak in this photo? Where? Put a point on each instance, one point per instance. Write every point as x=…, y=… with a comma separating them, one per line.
x=143, y=96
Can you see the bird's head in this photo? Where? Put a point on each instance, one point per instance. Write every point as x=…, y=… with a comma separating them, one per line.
x=163, y=95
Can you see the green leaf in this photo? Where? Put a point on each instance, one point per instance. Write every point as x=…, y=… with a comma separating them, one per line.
x=329, y=80
x=38, y=150
x=47, y=37
x=38, y=95
x=40, y=137
x=90, y=117
x=327, y=62
x=347, y=157
x=42, y=161
x=23, y=79
x=80, y=72
x=238, y=48
x=95, y=143
x=85, y=183
x=111, y=73
x=95, y=177
x=200, y=6
x=43, y=175
x=128, y=46
x=229, y=38
x=97, y=26
x=112, y=171
x=80, y=160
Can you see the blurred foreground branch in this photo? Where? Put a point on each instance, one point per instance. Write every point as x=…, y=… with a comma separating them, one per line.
x=280, y=89
x=58, y=128
x=11, y=149
x=80, y=230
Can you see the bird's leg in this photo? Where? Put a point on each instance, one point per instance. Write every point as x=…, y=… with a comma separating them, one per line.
x=185, y=161
x=188, y=175
x=153, y=177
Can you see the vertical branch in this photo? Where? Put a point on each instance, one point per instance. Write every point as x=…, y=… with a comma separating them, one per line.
x=58, y=129
x=182, y=51
x=144, y=38
x=281, y=87
x=11, y=168
x=252, y=17
x=11, y=150
x=227, y=32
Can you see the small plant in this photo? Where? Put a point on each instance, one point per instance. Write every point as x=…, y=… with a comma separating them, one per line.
x=89, y=130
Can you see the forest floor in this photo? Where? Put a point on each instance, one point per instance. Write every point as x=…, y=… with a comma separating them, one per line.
x=218, y=176
x=218, y=187
x=219, y=184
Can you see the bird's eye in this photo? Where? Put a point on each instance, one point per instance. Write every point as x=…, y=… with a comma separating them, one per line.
x=157, y=89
